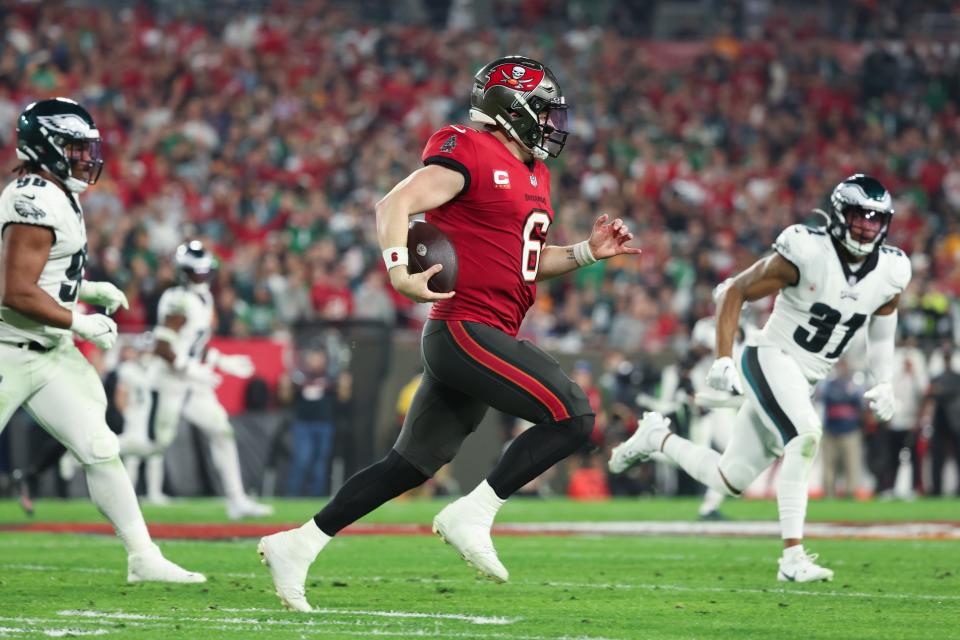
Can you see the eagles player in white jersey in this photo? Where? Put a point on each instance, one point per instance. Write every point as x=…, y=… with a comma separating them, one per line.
x=136, y=398
x=714, y=425
x=186, y=374
x=829, y=283
x=42, y=257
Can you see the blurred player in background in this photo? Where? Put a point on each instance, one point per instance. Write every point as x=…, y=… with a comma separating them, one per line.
x=185, y=374
x=43, y=256
x=136, y=400
x=488, y=190
x=829, y=283
x=715, y=424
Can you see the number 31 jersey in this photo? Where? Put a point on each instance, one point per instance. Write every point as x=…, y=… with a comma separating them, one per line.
x=814, y=320
x=497, y=224
x=36, y=201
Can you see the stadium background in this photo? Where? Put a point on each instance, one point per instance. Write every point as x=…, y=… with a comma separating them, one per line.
x=269, y=130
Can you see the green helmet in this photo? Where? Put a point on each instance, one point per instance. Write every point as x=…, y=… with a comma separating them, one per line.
x=860, y=212
x=514, y=93
x=60, y=137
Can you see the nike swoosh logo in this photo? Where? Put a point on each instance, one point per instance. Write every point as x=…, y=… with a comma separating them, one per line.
x=29, y=197
x=792, y=578
x=458, y=129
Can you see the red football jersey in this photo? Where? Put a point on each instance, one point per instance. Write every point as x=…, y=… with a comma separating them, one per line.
x=498, y=225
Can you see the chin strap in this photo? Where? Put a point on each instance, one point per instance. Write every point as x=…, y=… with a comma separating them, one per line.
x=500, y=121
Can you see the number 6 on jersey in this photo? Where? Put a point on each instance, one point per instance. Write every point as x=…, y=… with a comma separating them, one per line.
x=534, y=237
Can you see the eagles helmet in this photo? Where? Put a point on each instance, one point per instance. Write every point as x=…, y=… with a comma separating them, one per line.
x=60, y=137
x=860, y=212
x=194, y=262
x=515, y=93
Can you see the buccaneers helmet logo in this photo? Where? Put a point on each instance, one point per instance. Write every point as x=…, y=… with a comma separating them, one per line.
x=514, y=76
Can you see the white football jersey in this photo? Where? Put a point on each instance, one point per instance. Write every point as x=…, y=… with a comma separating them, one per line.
x=33, y=200
x=196, y=305
x=134, y=375
x=814, y=320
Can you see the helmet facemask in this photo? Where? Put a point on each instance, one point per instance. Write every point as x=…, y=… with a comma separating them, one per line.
x=85, y=162
x=863, y=229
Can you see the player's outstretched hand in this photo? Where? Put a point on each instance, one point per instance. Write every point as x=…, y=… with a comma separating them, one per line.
x=881, y=401
x=103, y=294
x=610, y=239
x=202, y=374
x=96, y=327
x=239, y=365
x=415, y=286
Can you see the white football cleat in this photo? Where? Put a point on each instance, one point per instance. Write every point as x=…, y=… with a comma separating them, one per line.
x=288, y=562
x=158, y=499
x=803, y=569
x=644, y=442
x=151, y=566
x=461, y=525
x=247, y=508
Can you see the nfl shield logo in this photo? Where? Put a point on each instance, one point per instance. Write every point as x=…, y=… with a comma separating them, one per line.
x=533, y=180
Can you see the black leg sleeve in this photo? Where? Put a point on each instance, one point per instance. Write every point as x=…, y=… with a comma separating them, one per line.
x=368, y=489
x=536, y=450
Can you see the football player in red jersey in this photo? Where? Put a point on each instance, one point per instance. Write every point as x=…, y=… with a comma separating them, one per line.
x=488, y=190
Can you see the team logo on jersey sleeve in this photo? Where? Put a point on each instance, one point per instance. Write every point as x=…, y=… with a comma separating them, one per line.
x=449, y=145
x=28, y=210
x=501, y=179
x=514, y=76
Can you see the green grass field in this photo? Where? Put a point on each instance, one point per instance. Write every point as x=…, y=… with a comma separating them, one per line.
x=55, y=585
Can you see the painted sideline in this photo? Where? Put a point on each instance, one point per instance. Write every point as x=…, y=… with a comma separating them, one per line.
x=922, y=530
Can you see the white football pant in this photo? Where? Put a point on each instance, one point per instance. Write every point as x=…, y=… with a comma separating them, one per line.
x=778, y=418
x=64, y=394
x=200, y=406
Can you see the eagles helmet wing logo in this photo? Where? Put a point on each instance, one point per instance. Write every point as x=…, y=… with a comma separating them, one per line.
x=514, y=76
x=68, y=123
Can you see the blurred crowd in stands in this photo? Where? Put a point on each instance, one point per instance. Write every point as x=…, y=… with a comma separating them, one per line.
x=272, y=134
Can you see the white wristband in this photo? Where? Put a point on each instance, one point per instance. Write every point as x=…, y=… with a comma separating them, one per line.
x=582, y=254
x=395, y=257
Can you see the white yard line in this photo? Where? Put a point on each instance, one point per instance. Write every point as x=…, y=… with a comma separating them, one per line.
x=400, y=614
x=44, y=567
x=307, y=625
x=53, y=633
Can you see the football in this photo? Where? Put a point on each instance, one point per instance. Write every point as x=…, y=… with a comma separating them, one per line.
x=427, y=246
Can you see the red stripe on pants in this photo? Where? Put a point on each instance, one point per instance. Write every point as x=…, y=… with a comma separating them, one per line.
x=506, y=370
